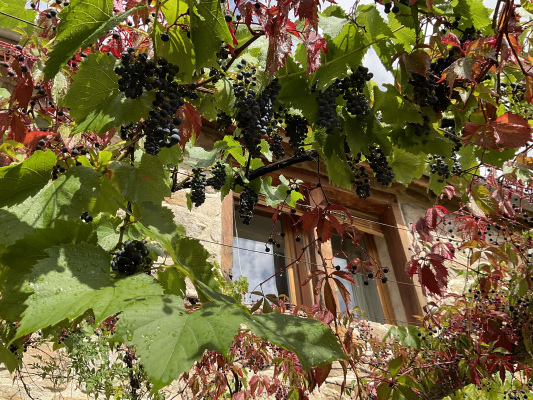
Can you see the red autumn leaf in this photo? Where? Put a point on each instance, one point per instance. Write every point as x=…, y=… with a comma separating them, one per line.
x=441, y=272
x=344, y=275
x=452, y=39
x=321, y=373
x=324, y=229
x=191, y=122
x=279, y=45
x=329, y=299
x=335, y=222
x=22, y=93
x=314, y=44
x=308, y=10
x=344, y=210
x=31, y=138
x=433, y=213
x=429, y=281
x=412, y=267
x=446, y=250
x=344, y=292
x=309, y=219
x=421, y=227
x=507, y=131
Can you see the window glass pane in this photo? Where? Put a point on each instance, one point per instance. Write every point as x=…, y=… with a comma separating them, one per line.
x=251, y=261
x=364, y=296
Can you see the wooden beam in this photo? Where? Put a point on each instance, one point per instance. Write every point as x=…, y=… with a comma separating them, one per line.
x=398, y=246
x=226, y=256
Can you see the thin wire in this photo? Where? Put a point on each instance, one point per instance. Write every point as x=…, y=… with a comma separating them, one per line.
x=20, y=19
x=287, y=258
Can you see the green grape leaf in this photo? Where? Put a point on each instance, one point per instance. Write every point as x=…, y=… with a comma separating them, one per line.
x=344, y=51
x=208, y=29
x=18, y=259
x=17, y=8
x=178, y=50
x=275, y=195
x=157, y=222
x=7, y=358
x=332, y=21
x=375, y=29
x=95, y=101
x=168, y=338
x=76, y=278
x=393, y=108
x=364, y=132
x=64, y=198
x=484, y=200
x=296, y=94
x=107, y=230
x=172, y=281
x=146, y=183
x=191, y=258
x=82, y=23
x=312, y=341
x=406, y=166
x=19, y=181
x=474, y=12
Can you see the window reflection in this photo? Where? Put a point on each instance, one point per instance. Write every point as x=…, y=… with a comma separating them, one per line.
x=251, y=261
x=366, y=297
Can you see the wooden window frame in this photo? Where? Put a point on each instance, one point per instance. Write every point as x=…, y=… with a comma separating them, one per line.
x=380, y=215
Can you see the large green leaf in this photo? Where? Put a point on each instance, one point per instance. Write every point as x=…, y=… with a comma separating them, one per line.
x=473, y=12
x=376, y=29
x=344, y=51
x=169, y=339
x=157, y=222
x=146, y=183
x=64, y=198
x=178, y=50
x=76, y=278
x=81, y=24
x=406, y=166
x=208, y=30
x=95, y=101
x=313, y=342
x=192, y=257
x=19, y=181
x=18, y=9
x=19, y=258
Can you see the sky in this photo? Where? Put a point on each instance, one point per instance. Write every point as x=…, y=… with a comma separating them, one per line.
x=371, y=60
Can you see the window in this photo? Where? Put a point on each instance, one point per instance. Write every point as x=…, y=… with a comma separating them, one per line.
x=385, y=239
x=251, y=260
x=365, y=293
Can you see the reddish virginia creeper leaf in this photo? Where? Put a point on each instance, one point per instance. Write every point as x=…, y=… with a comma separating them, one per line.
x=192, y=122
x=329, y=299
x=321, y=373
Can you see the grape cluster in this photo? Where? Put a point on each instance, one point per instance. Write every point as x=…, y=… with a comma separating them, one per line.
x=448, y=126
x=390, y=6
x=275, y=145
x=198, y=183
x=223, y=121
x=296, y=130
x=218, y=173
x=247, y=202
x=439, y=166
x=138, y=74
x=327, y=110
x=127, y=132
x=361, y=179
x=254, y=114
x=380, y=166
x=422, y=129
x=351, y=88
x=85, y=217
x=131, y=258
